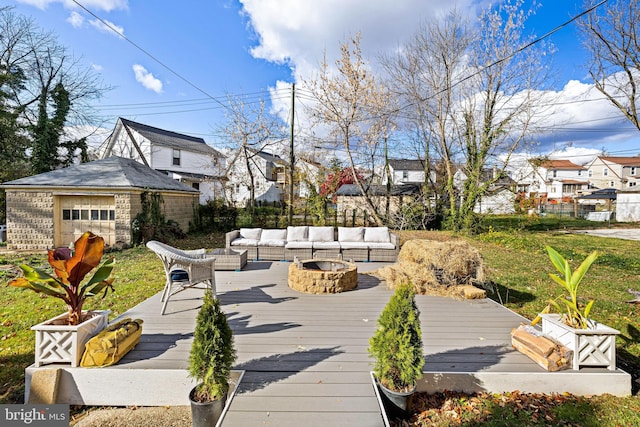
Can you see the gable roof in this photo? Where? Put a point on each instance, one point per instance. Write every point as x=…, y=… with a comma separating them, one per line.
x=407, y=165
x=624, y=161
x=171, y=139
x=561, y=164
x=112, y=172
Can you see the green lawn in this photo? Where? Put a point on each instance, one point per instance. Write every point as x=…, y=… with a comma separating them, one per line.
x=518, y=275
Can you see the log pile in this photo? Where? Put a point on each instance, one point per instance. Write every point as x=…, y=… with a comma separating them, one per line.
x=547, y=353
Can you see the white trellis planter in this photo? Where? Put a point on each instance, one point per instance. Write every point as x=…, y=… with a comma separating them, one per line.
x=593, y=348
x=57, y=343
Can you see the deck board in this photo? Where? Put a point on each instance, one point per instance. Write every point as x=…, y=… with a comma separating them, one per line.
x=305, y=357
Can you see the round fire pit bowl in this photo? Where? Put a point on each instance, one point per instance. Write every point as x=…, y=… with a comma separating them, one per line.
x=323, y=276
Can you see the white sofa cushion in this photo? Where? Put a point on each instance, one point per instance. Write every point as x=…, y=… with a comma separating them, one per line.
x=299, y=245
x=273, y=237
x=297, y=234
x=350, y=234
x=326, y=245
x=321, y=234
x=244, y=242
x=354, y=245
x=250, y=233
x=377, y=235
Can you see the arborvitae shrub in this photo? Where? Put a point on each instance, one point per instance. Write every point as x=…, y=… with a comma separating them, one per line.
x=397, y=343
x=212, y=352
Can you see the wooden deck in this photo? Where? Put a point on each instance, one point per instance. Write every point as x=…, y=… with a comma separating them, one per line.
x=305, y=357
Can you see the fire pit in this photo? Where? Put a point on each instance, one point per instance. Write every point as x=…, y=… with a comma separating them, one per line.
x=323, y=276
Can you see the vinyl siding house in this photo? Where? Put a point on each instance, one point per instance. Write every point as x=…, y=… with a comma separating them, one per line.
x=614, y=172
x=555, y=180
x=628, y=205
x=269, y=177
x=182, y=157
x=404, y=171
x=500, y=197
x=53, y=209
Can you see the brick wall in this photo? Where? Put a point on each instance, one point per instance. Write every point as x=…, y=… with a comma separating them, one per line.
x=179, y=208
x=29, y=220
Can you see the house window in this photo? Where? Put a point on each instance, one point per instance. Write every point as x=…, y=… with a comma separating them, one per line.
x=555, y=174
x=579, y=173
x=612, y=184
x=405, y=175
x=633, y=170
x=176, y=157
x=632, y=184
x=195, y=185
x=590, y=173
x=605, y=171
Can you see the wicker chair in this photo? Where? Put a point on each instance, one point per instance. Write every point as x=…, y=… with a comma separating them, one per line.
x=199, y=268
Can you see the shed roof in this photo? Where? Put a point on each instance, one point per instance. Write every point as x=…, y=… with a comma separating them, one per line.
x=605, y=193
x=112, y=172
x=406, y=164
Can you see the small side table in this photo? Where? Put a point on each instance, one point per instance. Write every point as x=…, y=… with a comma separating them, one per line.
x=229, y=259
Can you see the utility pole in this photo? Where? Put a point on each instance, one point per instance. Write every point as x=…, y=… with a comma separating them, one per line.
x=292, y=157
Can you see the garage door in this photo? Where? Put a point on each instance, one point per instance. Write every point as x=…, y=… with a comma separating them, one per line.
x=77, y=214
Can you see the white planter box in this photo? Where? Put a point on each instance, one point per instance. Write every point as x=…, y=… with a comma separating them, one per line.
x=591, y=347
x=65, y=343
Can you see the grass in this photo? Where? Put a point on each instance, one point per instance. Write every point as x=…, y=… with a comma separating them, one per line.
x=518, y=277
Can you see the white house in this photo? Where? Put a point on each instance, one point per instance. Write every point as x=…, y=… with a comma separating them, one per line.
x=269, y=177
x=500, y=197
x=614, y=172
x=404, y=171
x=558, y=180
x=182, y=157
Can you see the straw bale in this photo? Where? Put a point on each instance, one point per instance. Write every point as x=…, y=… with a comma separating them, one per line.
x=435, y=267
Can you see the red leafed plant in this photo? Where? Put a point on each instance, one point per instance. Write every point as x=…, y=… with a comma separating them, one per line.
x=70, y=268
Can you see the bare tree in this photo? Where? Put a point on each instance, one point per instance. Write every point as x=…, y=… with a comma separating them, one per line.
x=249, y=130
x=611, y=36
x=56, y=90
x=350, y=103
x=472, y=99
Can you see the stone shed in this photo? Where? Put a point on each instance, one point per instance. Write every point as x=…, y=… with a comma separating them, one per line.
x=53, y=209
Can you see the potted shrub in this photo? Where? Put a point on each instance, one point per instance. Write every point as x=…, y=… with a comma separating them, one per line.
x=210, y=361
x=62, y=339
x=397, y=348
x=593, y=344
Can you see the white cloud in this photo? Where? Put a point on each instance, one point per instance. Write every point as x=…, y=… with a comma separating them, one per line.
x=97, y=67
x=75, y=19
x=107, y=27
x=105, y=5
x=146, y=79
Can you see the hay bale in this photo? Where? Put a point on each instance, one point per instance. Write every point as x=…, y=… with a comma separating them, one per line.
x=435, y=266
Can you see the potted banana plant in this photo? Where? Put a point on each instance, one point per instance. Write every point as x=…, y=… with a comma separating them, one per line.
x=593, y=344
x=397, y=348
x=62, y=339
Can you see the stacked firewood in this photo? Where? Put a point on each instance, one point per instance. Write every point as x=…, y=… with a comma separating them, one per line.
x=547, y=353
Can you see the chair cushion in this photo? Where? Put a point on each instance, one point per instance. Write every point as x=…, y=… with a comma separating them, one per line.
x=273, y=243
x=381, y=245
x=377, y=234
x=350, y=234
x=250, y=233
x=297, y=234
x=179, y=275
x=321, y=234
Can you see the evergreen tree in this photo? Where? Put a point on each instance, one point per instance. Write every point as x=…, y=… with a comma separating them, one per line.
x=212, y=352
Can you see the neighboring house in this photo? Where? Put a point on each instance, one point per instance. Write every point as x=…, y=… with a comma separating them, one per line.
x=403, y=171
x=53, y=209
x=555, y=180
x=350, y=199
x=614, y=172
x=500, y=197
x=269, y=177
x=184, y=158
x=628, y=205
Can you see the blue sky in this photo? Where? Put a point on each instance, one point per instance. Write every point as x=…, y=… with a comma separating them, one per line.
x=195, y=50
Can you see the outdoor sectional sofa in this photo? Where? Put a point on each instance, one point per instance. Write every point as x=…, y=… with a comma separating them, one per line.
x=304, y=242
